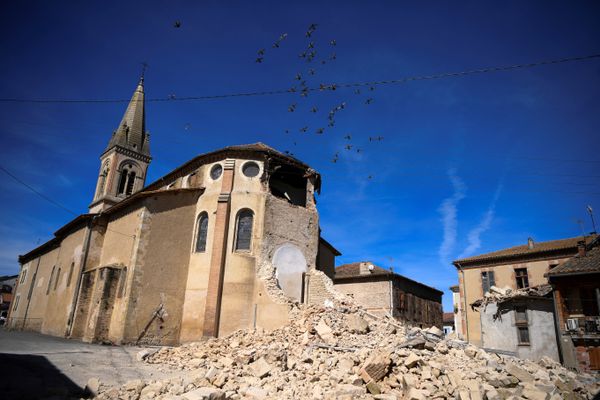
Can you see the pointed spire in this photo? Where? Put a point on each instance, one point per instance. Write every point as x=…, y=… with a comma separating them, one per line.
x=131, y=133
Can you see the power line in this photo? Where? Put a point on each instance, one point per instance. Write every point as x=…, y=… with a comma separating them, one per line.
x=50, y=200
x=34, y=190
x=330, y=86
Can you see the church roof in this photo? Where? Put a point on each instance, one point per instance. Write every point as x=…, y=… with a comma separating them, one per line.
x=251, y=150
x=131, y=133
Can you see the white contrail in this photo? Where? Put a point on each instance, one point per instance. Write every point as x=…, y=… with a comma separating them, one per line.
x=448, y=210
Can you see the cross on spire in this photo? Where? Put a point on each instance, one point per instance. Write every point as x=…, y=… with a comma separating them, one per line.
x=144, y=66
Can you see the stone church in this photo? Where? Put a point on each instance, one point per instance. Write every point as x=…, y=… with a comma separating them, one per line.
x=222, y=242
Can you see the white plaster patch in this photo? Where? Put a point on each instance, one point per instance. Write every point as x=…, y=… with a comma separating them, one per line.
x=289, y=263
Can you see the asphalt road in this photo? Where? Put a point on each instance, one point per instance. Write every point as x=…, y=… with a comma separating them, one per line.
x=35, y=366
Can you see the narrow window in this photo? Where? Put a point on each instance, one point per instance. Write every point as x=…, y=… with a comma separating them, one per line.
x=122, y=181
x=487, y=281
x=201, y=232
x=522, y=278
x=244, y=230
x=57, y=278
x=23, y=276
x=70, y=274
x=522, y=325
x=122, y=283
x=130, y=183
x=50, y=280
x=16, y=303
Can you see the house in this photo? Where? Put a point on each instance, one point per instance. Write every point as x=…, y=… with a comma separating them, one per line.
x=7, y=288
x=448, y=323
x=515, y=267
x=519, y=322
x=384, y=292
x=457, y=311
x=223, y=242
x=576, y=286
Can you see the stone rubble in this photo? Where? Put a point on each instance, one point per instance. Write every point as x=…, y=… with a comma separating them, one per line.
x=343, y=352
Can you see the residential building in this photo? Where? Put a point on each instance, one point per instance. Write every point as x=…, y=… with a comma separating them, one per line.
x=519, y=323
x=576, y=286
x=515, y=267
x=384, y=292
x=7, y=289
x=221, y=243
x=448, y=323
x=457, y=308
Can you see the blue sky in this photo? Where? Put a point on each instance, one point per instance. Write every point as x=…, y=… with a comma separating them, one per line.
x=467, y=165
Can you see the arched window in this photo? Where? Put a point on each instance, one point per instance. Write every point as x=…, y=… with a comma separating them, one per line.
x=70, y=274
x=122, y=181
x=50, y=279
x=201, y=232
x=57, y=278
x=130, y=183
x=243, y=235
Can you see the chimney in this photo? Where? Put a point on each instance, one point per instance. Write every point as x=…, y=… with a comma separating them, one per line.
x=530, y=243
x=365, y=268
x=581, y=248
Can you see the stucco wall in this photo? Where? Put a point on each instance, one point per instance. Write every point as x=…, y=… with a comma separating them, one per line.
x=504, y=277
x=502, y=334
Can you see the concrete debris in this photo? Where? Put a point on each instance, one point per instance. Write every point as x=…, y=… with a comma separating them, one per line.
x=326, y=353
x=500, y=295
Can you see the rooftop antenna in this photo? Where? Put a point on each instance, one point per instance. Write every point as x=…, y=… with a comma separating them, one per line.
x=391, y=264
x=590, y=211
x=580, y=223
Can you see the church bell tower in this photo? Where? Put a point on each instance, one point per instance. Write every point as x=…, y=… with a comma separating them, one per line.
x=124, y=163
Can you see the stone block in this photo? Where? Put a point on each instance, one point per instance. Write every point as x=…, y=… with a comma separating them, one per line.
x=204, y=393
x=260, y=368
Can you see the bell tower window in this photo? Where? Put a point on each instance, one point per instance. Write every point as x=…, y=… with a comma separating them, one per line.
x=122, y=181
x=130, y=183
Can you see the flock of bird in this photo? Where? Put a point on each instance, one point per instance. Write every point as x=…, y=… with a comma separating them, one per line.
x=301, y=86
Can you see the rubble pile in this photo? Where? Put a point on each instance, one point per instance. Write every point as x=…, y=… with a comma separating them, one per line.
x=343, y=352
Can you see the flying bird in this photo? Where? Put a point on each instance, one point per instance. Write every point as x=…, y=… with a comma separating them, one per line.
x=358, y=150
x=332, y=56
x=369, y=100
x=304, y=129
x=311, y=45
x=283, y=36
x=261, y=52
x=311, y=71
x=298, y=77
x=370, y=177
x=348, y=137
x=259, y=60
x=311, y=29
x=320, y=131
x=375, y=138
x=187, y=126
x=348, y=147
x=177, y=24
x=314, y=109
x=356, y=91
x=332, y=42
x=172, y=96
x=292, y=107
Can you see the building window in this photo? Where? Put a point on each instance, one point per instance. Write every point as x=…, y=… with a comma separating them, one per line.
x=487, y=280
x=130, y=183
x=522, y=278
x=57, y=278
x=215, y=171
x=250, y=169
x=522, y=325
x=70, y=274
x=244, y=230
x=50, y=280
x=23, y=276
x=16, y=303
x=122, y=181
x=201, y=232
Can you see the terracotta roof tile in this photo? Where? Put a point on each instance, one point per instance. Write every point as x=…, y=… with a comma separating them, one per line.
x=525, y=251
x=448, y=317
x=590, y=263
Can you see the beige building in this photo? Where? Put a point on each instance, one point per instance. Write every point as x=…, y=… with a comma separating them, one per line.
x=457, y=311
x=222, y=242
x=383, y=292
x=516, y=267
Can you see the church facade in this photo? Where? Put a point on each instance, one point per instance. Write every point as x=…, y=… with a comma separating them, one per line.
x=223, y=242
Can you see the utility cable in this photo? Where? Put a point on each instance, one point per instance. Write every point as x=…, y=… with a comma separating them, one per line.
x=322, y=87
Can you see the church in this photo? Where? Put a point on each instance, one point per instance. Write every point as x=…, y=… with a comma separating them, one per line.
x=226, y=241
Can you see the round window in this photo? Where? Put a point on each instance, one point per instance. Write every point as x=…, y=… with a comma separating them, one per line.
x=215, y=171
x=251, y=169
